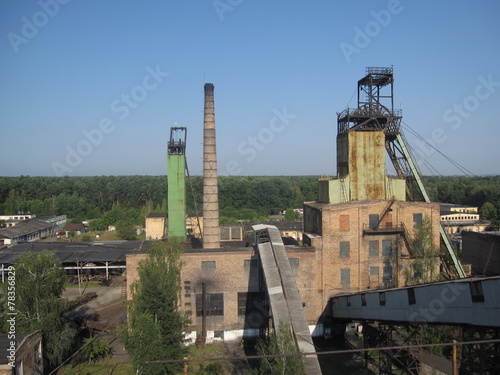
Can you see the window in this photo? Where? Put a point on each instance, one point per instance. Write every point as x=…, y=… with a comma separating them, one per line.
x=344, y=249
x=236, y=234
x=344, y=222
x=374, y=271
x=411, y=296
x=348, y=300
x=247, y=302
x=224, y=233
x=294, y=262
x=417, y=220
x=208, y=265
x=387, y=247
x=387, y=275
x=476, y=291
x=214, y=304
x=373, y=219
x=345, y=277
x=363, y=299
x=373, y=248
x=381, y=298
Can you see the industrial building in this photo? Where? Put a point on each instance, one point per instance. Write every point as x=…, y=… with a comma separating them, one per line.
x=31, y=229
x=358, y=242
x=482, y=251
x=457, y=218
x=357, y=236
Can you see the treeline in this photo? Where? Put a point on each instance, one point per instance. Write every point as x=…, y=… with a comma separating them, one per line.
x=114, y=198
x=111, y=198
x=481, y=192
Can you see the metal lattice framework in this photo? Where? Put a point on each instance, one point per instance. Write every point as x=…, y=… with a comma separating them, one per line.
x=375, y=112
x=404, y=357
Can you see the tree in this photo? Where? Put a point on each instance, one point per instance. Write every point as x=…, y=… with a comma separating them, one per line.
x=155, y=327
x=488, y=211
x=280, y=342
x=423, y=269
x=40, y=280
x=95, y=349
x=290, y=214
x=125, y=229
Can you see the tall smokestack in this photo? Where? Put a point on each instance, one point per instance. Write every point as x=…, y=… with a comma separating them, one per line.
x=211, y=239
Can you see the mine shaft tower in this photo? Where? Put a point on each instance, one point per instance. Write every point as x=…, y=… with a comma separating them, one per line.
x=375, y=112
x=177, y=183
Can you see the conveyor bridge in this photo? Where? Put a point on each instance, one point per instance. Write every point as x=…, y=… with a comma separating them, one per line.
x=472, y=301
x=284, y=299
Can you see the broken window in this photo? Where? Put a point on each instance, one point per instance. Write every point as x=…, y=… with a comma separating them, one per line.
x=417, y=220
x=387, y=247
x=214, y=304
x=476, y=291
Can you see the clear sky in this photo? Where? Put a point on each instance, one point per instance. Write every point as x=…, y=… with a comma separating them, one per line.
x=92, y=87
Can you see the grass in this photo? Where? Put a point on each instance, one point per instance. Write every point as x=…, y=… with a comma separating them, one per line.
x=98, y=369
x=207, y=351
x=103, y=236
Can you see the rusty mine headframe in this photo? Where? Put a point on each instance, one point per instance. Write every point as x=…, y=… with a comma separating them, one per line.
x=375, y=112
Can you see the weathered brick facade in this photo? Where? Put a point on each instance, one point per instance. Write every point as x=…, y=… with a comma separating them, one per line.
x=355, y=258
x=234, y=273
x=343, y=256
x=28, y=354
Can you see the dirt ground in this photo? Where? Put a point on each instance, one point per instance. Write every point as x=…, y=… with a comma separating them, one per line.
x=107, y=310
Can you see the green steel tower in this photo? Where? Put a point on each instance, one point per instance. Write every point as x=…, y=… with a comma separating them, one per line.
x=177, y=183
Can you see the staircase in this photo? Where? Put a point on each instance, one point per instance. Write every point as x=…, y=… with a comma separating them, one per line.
x=381, y=216
x=406, y=239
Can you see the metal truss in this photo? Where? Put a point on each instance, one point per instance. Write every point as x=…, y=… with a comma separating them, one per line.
x=480, y=359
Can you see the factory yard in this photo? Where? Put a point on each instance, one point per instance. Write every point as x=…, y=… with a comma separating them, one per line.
x=102, y=314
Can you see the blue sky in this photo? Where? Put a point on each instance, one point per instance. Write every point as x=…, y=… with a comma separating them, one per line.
x=93, y=87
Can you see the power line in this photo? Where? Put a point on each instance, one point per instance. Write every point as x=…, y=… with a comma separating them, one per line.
x=476, y=342
x=119, y=316
x=456, y=164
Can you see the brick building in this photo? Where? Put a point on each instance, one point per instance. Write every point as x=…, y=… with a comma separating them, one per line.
x=27, y=356
x=232, y=278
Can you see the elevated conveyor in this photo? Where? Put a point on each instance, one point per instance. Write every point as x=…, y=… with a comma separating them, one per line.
x=285, y=303
x=472, y=302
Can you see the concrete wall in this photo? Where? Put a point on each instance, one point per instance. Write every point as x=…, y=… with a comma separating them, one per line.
x=366, y=165
x=482, y=251
x=177, y=196
x=155, y=228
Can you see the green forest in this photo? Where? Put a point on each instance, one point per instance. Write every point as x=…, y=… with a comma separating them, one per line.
x=110, y=199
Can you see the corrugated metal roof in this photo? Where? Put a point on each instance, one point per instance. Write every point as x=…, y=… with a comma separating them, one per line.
x=26, y=227
x=72, y=252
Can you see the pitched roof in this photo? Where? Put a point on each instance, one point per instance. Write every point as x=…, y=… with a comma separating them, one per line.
x=26, y=227
x=74, y=226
